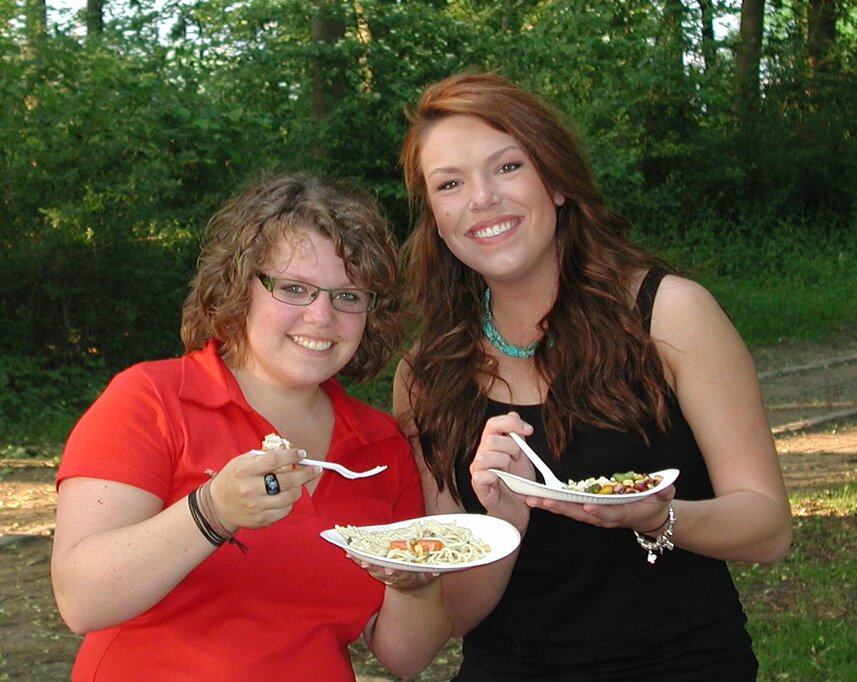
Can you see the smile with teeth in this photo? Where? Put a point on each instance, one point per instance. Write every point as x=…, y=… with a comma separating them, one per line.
x=311, y=344
x=494, y=230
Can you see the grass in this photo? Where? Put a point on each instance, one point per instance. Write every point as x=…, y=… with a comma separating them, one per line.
x=800, y=610
x=776, y=284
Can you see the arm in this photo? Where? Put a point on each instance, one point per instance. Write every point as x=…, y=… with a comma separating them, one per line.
x=117, y=550
x=412, y=625
x=471, y=594
x=716, y=383
x=712, y=373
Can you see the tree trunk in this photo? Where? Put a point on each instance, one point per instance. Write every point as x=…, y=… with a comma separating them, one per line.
x=328, y=78
x=747, y=56
x=94, y=17
x=821, y=33
x=709, y=45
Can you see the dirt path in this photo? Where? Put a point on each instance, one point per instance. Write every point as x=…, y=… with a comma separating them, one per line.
x=811, y=395
x=810, y=392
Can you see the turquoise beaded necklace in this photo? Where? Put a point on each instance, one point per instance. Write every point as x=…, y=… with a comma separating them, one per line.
x=494, y=337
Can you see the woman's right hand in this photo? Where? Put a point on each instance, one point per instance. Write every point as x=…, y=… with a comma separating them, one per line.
x=239, y=493
x=498, y=451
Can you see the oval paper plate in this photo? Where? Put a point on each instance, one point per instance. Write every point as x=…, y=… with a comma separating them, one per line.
x=523, y=486
x=501, y=536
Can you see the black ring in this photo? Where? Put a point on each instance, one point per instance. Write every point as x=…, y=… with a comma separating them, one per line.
x=272, y=485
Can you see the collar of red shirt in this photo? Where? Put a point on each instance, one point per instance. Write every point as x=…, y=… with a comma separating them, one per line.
x=207, y=381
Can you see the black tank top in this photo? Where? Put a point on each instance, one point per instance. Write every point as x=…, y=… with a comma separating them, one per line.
x=583, y=603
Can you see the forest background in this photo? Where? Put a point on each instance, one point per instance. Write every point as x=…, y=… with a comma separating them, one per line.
x=724, y=129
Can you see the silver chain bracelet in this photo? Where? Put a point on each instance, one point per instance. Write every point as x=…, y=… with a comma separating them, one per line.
x=662, y=542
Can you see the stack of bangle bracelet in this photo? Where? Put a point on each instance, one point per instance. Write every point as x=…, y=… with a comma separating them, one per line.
x=663, y=541
x=203, y=514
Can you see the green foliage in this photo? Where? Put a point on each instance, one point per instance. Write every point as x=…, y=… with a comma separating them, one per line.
x=39, y=404
x=378, y=391
x=110, y=169
x=116, y=148
x=788, y=282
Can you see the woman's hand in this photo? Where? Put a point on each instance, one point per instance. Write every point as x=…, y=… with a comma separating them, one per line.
x=648, y=515
x=239, y=493
x=498, y=451
x=397, y=579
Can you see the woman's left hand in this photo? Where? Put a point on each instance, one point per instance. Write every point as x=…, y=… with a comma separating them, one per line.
x=404, y=581
x=498, y=451
x=645, y=516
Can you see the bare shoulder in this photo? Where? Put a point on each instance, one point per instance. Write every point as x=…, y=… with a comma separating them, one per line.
x=679, y=290
x=402, y=393
x=404, y=369
x=684, y=308
x=692, y=331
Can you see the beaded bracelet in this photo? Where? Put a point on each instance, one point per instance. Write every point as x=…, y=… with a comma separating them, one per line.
x=662, y=542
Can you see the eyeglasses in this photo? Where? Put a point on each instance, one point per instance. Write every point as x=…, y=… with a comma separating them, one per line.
x=294, y=292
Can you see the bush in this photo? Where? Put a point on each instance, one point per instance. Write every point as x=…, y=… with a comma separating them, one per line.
x=786, y=282
x=39, y=404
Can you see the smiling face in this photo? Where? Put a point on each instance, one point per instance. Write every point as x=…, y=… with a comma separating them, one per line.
x=292, y=346
x=490, y=204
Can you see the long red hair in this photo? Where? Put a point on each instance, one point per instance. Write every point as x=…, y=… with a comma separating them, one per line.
x=601, y=367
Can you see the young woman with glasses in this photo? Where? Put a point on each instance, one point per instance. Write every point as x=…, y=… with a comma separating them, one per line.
x=540, y=318
x=185, y=551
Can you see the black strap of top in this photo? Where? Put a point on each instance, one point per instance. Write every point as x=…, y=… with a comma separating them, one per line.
x=646, y=295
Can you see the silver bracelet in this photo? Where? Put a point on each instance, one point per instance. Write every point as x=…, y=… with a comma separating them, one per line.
x=662, y=542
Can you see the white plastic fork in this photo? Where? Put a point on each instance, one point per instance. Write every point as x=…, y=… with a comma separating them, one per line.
x=333, y=466
x=551, y=481
x=341, y=470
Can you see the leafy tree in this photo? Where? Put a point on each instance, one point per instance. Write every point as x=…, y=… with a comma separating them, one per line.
x=118, y=142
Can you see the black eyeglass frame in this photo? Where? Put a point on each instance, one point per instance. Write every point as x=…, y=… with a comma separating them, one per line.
x=270, y=284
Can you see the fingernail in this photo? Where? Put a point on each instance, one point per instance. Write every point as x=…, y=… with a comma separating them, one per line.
x=301, y=453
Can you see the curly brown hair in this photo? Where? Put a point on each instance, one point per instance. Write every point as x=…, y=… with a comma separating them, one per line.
x=598, y=363
x=241, y=237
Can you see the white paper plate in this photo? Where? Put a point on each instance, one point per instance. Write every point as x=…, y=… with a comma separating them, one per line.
x=524, y=486
x=502, y=537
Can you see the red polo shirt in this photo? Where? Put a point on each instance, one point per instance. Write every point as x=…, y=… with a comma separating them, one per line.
x=289, y=606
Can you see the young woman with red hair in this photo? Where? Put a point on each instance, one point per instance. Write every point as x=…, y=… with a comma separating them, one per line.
x=539, y=316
